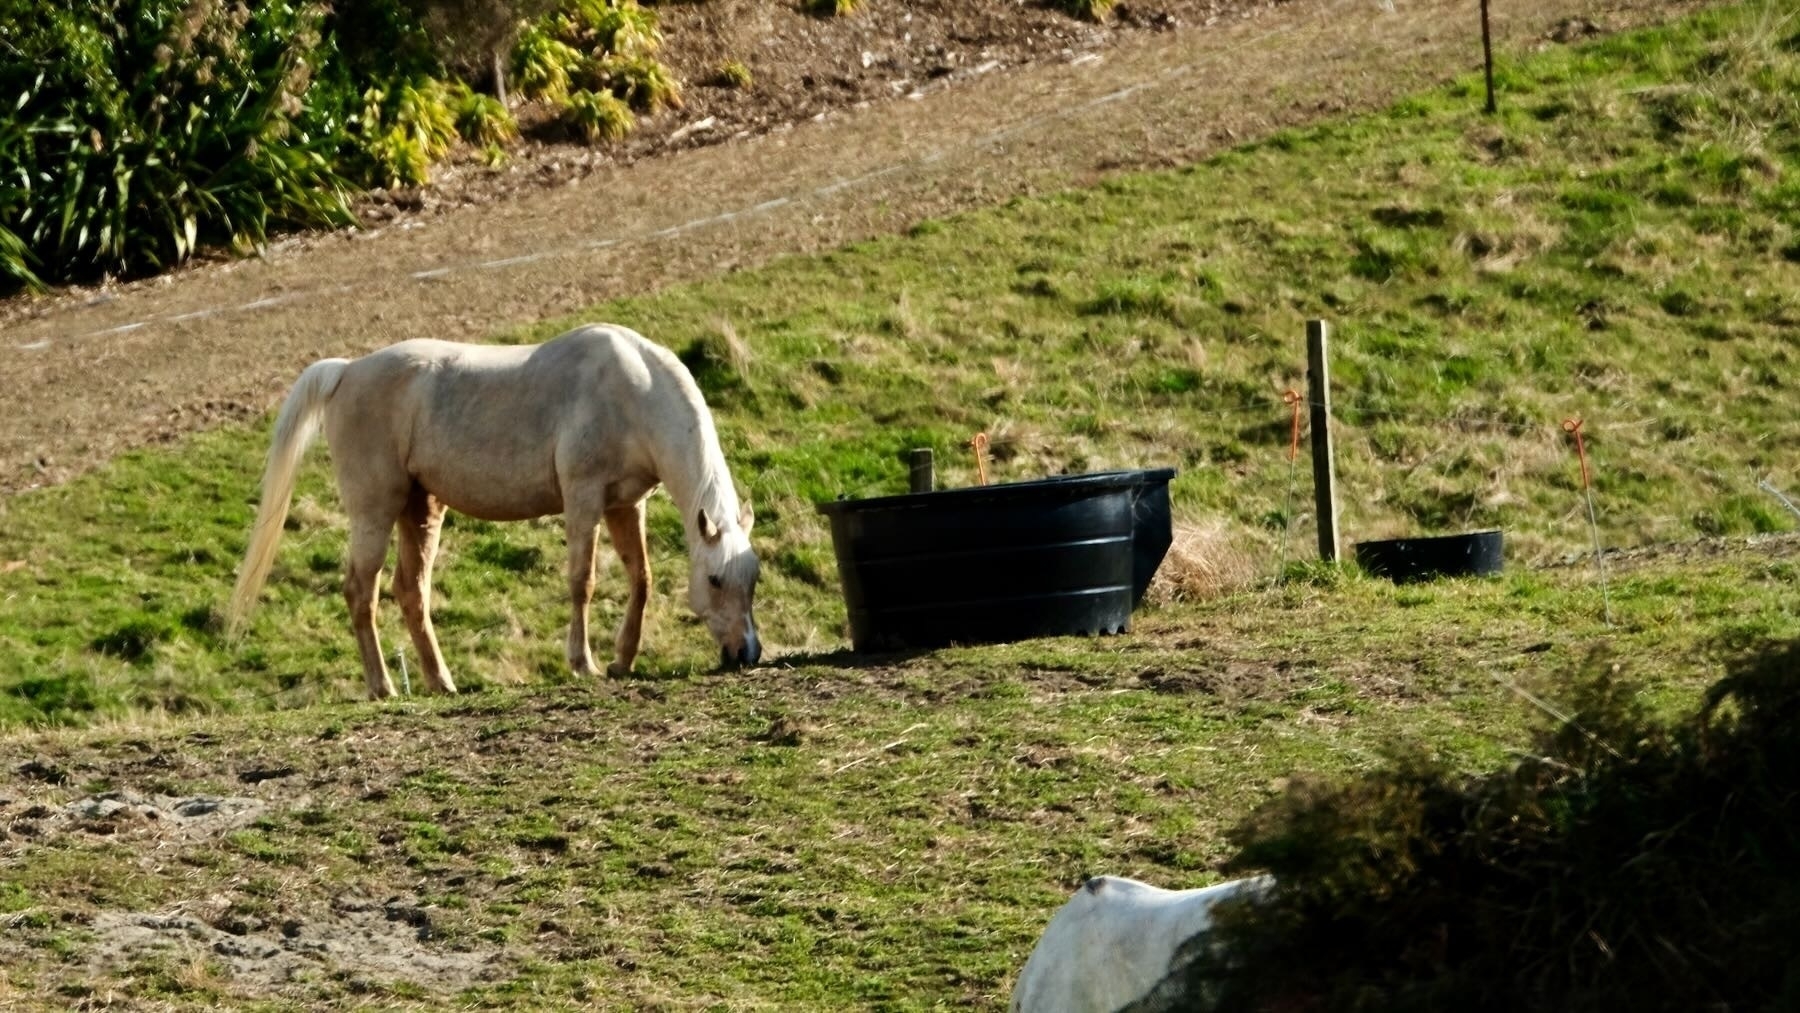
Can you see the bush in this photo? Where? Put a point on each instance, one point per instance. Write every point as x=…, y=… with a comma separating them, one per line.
x=643, y=84
x=595, y=45
x=619, y=27
x=597, y=116
x=404, y=131
x=425, y=110
x=481, y=119
x=1625, y=864
x=137, y=133
x=544, y=64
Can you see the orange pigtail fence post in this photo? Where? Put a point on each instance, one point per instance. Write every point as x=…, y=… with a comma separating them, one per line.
x=980, y=443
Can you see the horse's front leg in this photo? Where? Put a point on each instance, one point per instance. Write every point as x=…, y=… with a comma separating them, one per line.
x=626, y=526
x=583, y=533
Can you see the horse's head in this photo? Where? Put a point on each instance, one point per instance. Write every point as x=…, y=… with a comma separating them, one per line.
x=722, y=585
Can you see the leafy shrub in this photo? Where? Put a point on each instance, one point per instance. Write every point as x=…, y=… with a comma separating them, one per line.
x=425, y=110
x=383, y=40
x=385, y=154
x=140, y=130
x=543, y=64
x=619, y=27
x=394, y=158
x=16, y=261
x=482, y=119
x=597, y=116
x=596, y=46
x=1625, y=863
x=405, y=130
x=644, y=84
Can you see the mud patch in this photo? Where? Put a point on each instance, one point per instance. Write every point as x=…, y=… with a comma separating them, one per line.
x=354, y=939
x=190, y=818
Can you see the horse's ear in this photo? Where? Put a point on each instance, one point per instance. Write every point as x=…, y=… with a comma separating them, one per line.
x=708, y=530
x=746, y=517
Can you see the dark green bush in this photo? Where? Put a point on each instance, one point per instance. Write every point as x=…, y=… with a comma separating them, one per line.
x=140, y=130
x=145, y=130
x=1625, y=864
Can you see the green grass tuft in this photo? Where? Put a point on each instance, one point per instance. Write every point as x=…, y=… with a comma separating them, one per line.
x=733, y=73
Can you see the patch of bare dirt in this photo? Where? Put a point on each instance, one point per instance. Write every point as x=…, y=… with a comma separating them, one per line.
x=1770, y=546
x=853, y=127
x=352, y=936
x=125, y=814
x=300, y=939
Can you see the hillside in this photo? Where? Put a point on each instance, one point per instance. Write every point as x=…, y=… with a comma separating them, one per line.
x=88, y=373
x=1630, y=272
x=188, y=822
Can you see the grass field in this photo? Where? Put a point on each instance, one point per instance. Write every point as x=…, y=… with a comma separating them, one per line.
x=823, y=833
x=1621, y=243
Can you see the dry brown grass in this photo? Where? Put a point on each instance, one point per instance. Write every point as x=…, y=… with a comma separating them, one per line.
x=1205, y=560
x=737, y=350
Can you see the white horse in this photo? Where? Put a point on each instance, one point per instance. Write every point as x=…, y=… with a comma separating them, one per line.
x=585, y=425
x=1119, y=944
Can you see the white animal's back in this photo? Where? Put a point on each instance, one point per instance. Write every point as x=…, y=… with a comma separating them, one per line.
x=1114, y=941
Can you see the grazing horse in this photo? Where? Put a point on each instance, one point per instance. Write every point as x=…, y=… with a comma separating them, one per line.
x=585, y=425
x=1121, y=945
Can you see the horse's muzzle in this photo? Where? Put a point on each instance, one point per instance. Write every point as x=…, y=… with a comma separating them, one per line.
x=743, y=657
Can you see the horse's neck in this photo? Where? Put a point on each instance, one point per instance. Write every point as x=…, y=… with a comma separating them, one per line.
x=693, y=469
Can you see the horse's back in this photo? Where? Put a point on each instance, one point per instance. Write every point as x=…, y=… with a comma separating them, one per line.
x=593, y=356
x=490, y=429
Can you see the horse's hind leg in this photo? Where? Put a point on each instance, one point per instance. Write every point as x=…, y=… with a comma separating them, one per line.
x=583, y=533
x=420, y=526
x=368, y=550
x=626, y=526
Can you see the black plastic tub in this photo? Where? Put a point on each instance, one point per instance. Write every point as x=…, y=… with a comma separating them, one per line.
x=1405, y=560
x=995, y=563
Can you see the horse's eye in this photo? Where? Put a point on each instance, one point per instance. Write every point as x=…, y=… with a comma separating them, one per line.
x=716, y=581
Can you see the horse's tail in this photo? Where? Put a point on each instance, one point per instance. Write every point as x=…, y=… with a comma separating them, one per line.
x=295, y=429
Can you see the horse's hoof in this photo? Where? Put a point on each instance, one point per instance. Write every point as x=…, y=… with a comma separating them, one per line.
x=618, y=671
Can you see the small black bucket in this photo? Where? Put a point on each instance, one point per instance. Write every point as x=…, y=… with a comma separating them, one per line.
x=1405, y=560
x=995, y=563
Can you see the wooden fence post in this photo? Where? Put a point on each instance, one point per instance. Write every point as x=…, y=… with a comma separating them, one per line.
x=920, y=476
x=1487, y=58
x=1318, y=382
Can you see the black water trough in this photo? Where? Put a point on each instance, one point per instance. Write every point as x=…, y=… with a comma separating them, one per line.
x=995, y=563
x=1405, y=560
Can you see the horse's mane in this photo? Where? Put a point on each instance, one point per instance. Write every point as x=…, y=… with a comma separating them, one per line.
x=714, y=491
x=704, y=482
